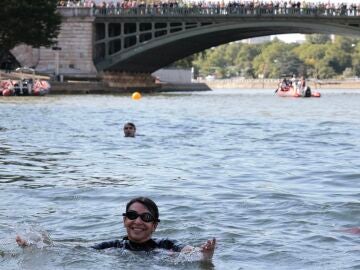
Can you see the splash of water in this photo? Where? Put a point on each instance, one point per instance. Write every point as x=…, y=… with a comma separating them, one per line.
x=34, y=235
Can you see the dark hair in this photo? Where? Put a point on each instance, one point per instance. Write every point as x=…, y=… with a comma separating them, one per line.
x=148, y=203
x=130, y=124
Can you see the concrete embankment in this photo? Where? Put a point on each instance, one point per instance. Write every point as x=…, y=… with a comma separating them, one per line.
x=110, y=83
x=183, y=87
x=82, y=87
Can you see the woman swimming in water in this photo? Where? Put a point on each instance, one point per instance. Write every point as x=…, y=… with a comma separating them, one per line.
x=140, y=221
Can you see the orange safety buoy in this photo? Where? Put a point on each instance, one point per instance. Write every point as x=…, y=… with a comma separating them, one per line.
x=136, y=96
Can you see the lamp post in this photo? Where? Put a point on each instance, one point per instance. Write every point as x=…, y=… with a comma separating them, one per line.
x=57, y=51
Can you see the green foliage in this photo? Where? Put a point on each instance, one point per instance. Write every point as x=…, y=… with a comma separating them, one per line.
x=337, y=59
x=277, y=59
x=356, y=60
x=245, y=57
x=321, y=60
x=323, y=71
x=185, y=62
x=317, y=39
x=345, y=43
x=219, y=61
x=348, y=72
x=32, y=22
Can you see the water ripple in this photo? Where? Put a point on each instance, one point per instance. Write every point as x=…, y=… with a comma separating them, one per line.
x=275, y=180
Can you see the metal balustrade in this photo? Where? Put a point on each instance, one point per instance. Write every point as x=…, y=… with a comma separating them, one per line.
x=230, y=10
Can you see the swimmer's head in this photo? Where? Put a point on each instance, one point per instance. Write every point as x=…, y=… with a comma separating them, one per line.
x=129, y=130
x=148, y=203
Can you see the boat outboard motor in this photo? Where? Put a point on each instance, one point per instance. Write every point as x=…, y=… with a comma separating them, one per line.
x=30, y=86
x=307, y=92
x=25, y=87
x=17, y=90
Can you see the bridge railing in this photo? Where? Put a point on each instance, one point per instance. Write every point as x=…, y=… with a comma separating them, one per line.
x=227, y=11
x=230, y=10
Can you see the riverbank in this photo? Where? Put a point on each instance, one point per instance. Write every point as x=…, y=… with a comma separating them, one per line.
x=126, y=83
x=98, y=87
x=237, y=83
x=129, y=86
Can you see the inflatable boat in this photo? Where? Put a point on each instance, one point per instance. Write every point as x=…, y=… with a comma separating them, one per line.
x=289, y=88
x=26, y=87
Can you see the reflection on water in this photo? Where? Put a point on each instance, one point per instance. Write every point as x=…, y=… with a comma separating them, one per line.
x=276, y=180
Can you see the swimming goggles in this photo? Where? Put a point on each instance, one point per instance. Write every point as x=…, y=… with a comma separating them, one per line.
x=146, y=217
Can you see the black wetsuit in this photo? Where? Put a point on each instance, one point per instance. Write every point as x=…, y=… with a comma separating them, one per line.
x=146, y=246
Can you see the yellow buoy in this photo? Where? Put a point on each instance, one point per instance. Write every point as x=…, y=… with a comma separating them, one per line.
x=136, y=96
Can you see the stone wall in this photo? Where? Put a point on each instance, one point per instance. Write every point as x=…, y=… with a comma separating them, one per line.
x=128, y=80
x=76, y=54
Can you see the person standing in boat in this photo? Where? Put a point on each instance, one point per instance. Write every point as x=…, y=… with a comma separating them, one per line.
x=301, y=86
x=293, y=81
x=283, y=85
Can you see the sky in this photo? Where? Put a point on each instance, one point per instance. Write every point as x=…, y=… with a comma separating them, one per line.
x=288, y=38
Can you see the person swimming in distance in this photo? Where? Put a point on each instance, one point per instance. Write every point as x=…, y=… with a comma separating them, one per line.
x=129, y=130
x=141, y=219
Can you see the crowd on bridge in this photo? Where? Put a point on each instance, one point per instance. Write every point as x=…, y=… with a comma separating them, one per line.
x=141, y=7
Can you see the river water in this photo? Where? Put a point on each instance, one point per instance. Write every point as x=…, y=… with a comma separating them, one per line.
x=275, y=180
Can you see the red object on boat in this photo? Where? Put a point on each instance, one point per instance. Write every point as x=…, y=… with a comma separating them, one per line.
x=6, y=88
x=292, y=92
x=295, y=88
x=7, y=92
x=41, y=88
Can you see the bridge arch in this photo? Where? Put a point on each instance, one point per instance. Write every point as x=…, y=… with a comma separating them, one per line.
x=204, y=32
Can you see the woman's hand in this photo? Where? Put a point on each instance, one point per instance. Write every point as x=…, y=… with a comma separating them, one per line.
x=21, y=242
x=208, y=249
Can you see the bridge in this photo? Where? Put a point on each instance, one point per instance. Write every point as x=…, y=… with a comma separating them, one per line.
x=147, y=39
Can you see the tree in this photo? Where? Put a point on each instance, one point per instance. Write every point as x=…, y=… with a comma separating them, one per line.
x=276, y=59
x=322, y=70
x=345, y=43
x=32, y=22
x=245, y=57
x=312, y=55
x=185, y=62
x=317, y=39
x=212, y=62
x=321, y=59
x=337, y=59
x=356, y=60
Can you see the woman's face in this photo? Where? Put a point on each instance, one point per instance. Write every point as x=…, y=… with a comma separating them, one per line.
x=138, y=230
